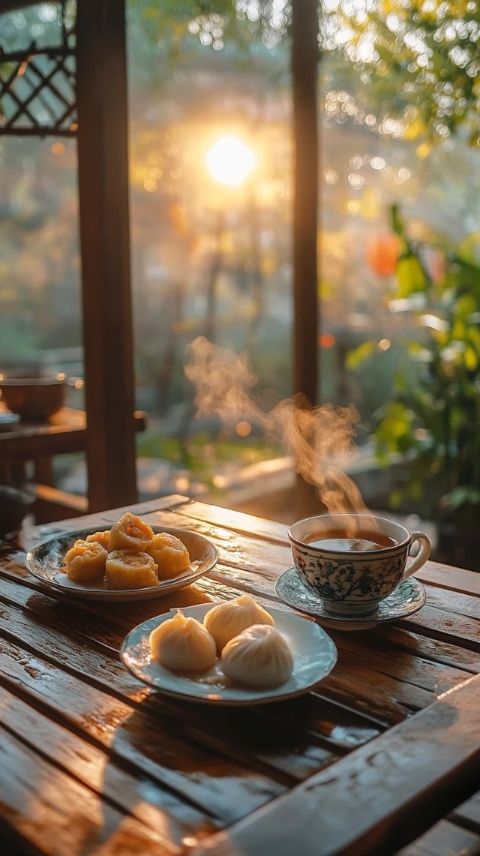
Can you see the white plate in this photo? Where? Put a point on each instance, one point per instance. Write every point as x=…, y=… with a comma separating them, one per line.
x=314, y=655
x=45, y=561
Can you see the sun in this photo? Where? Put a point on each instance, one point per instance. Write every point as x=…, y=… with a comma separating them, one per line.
x=230, y=161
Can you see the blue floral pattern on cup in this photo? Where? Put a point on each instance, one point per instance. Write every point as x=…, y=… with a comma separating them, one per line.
x=347, y=579
x=354, y=582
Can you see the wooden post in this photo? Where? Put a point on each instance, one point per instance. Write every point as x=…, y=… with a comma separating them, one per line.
x=304, y=66
x=104, y=240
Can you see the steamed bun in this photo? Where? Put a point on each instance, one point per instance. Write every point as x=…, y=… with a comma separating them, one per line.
x=259, y=658
x=227, y=620
x=182, y=643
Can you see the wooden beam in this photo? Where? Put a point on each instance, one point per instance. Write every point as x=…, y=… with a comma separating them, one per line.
x=104, y=238
x=13, y=5
x=380, y=797
x=304, y=67
x=54, y=504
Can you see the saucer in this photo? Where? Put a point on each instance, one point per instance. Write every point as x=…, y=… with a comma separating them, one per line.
x=408, y=597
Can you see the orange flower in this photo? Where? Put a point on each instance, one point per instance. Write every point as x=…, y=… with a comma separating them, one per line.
x=382, y=252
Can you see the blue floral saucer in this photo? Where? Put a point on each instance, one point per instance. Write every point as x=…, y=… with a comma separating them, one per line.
x=407, y=598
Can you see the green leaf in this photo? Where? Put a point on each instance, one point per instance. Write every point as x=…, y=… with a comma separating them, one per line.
x=410, y=276
x=396, y=220
x=462, y=496
x=356, y=357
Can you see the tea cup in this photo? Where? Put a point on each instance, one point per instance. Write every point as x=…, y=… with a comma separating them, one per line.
x=351, y=582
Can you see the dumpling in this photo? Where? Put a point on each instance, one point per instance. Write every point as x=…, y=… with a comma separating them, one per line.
x=182, y=643
x=102, y=538
x=85, y=561
x=130, y=533
x=227, y=620
x=129, y=569
x=170, y=555
x=259, y=657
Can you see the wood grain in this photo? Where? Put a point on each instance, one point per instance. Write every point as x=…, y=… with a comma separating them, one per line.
x=274, y=748
x=444, y=839
x=30, y=781
x=94, y=769
x=171, y=776
x=428, y=761
x=150, y=745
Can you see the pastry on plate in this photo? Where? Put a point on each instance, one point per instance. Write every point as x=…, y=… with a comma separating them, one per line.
x=130, y=569
x=130, y=533
x=102, y=538
x=85, y=561
x=169, y=554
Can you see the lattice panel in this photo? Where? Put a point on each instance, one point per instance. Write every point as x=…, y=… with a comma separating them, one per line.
x=37, y=88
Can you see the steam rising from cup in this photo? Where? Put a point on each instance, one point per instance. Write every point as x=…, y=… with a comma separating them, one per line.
x=317, y=438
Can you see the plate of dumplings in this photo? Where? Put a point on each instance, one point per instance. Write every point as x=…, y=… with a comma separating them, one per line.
x=130, y=561
x=232, y=653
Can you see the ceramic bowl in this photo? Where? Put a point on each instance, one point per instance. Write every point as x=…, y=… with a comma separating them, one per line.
x=35, y=399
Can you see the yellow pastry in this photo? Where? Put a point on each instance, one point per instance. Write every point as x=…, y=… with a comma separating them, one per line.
x=130, y=533
x=102, y=538
x=85, y=561
x=130, y=569
x=170, y=555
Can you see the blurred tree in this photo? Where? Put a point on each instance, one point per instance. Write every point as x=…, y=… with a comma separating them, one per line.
x=418, y=63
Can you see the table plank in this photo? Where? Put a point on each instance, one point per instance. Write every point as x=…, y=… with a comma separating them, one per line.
x=151, y=745
x=450, y=578
x=37, y=801
x=430, y=761
x=468, y=813
x=445, y=626
x=434, y=573
x=96, y=665
x=168, y=816
x=238, y=521
x=444, y=839
x=64, y=432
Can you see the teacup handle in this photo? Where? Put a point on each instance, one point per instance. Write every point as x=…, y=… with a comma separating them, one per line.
x=418, y=561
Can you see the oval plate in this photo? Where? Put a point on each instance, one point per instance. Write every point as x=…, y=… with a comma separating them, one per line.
x=313, y=651
x=45, y=561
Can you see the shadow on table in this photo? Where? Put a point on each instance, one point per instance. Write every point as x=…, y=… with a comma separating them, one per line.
x=198, y=768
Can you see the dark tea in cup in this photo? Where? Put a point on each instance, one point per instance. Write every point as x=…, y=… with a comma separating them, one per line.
x=353, y=561
x=344, y=541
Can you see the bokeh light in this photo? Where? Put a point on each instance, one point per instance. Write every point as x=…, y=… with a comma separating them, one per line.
x=230, y=161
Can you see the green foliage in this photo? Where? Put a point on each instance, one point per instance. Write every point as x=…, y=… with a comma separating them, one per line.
x=419, y=61
x=356, y=356
x=434, y=413
x=202, y=457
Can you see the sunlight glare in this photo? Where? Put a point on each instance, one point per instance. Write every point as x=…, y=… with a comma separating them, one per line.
x=230, y=161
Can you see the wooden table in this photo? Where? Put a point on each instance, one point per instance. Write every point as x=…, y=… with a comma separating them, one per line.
x=65, y=432
x=92, y=762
